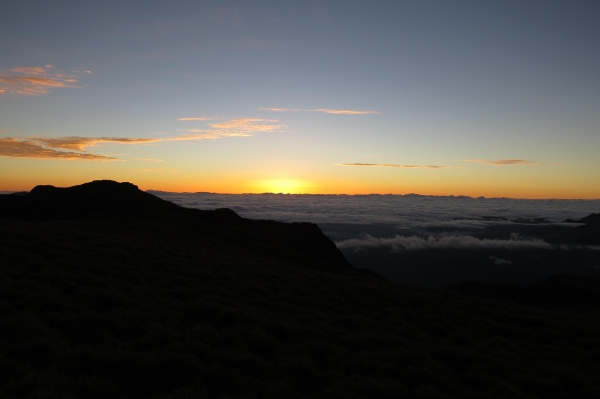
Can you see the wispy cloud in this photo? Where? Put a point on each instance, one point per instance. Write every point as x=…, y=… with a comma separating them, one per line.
x=197, y=119
x=503, y=161
x=11, y=147
x=238, y=127
x=344, y=111
x=52, y=147
x=35, y=80
x=148, y=159
x=250, y=125
x=203, y=134
x=80, y=143
x=401, y=243
x=499, y=261
x=30, y=70
x=388, y=165
x=324, y=110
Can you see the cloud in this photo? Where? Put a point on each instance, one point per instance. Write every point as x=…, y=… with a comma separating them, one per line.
x=503, y=161
x=35, y=80
x=498, y=261
x=148, y=159
x=401, y=243
x=460, y=224
x=349, y=216
x=238, y=127
x=10, y=147
x=202, y=134
x=344, y=111
x=196, y=119
x=80, y=143
x=387, y=165
x=48, y=147
x=30, y=70
x=250, y=125
x=324, y=110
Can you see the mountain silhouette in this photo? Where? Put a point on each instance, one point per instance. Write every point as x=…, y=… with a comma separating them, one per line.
x=590, y=220
x=586, y=234
x=110, y=200
x=49, y=202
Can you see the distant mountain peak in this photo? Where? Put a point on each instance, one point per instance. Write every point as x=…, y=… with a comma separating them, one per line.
x=591, y=220
x=49, y=202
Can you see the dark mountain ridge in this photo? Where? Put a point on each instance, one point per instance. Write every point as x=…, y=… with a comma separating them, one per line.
x=105, y=199
x=586, y=234
x=590, y=220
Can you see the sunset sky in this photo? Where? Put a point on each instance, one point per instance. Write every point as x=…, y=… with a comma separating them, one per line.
x=492, y=98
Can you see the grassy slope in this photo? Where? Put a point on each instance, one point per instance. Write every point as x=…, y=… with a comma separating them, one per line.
x=150, y=308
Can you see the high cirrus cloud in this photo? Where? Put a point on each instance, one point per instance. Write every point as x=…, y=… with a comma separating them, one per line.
x=388, y=165
x=503, y=161
x=35, y=80
x=250, y=125
x=401, y=243
x=344, y=111
x=52, y=147
x=11, y=147
x=80, y=143
x=237, y=127
x=207, y=134
x=324, y=110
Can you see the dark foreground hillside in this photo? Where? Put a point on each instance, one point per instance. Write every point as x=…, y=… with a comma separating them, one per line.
x=157, y=302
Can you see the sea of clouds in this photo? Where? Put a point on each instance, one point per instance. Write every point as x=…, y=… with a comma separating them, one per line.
x=398, y=222
x=413, y=243
x=405, y=211
x=424, y=240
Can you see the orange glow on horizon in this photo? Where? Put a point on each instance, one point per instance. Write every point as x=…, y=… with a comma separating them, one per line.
x=284, y=186
x=349, y=185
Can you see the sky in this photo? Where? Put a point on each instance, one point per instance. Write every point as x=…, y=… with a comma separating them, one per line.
x=479, y=98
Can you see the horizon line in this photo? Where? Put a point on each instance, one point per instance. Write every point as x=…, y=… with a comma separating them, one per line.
x=382, y=195
x=456, y=196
